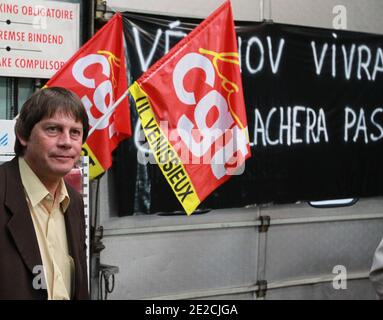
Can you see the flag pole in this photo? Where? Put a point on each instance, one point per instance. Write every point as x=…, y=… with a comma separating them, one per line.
x=110, y=110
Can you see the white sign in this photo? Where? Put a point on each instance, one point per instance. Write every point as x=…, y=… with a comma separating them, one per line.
x=7, y=136
x=37, y=37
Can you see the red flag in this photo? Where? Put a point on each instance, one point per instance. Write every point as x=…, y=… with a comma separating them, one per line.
x=192, y=110
x=97, y=74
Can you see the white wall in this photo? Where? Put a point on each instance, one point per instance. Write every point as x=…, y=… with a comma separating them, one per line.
x=362, y=16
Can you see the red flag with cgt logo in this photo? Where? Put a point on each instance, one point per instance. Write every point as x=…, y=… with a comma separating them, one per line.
x=97, y=74
x=192, y=110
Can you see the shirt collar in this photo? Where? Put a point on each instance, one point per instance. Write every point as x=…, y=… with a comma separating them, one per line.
x=35, y=189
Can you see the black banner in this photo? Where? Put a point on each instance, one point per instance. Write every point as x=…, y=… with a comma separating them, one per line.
x=314, y=104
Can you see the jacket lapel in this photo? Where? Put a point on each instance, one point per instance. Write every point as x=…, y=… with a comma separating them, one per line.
x=71, y=221
x=21, y=225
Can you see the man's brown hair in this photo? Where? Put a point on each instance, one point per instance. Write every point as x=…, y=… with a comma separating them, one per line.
x=44, y=104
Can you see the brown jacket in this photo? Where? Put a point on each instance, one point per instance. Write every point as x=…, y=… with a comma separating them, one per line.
x=19, y=250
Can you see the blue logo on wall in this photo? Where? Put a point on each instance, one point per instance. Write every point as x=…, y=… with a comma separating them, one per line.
x=3, y=140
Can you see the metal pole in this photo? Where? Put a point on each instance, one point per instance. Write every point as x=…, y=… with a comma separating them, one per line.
x=270, y=13
x=261, y=10
x=110, y=110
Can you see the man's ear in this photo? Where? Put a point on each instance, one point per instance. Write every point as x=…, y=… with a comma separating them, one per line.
x=22, y=141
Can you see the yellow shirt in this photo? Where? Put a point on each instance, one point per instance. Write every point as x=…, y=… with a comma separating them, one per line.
x=47, y=214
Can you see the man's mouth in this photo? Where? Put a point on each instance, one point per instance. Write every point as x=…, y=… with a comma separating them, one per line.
x=62, y=157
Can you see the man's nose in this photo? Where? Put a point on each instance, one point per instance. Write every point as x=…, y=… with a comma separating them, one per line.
x=65, y=139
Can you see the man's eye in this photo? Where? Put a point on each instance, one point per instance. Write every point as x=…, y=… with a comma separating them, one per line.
x=51, y=129
x=76, y=133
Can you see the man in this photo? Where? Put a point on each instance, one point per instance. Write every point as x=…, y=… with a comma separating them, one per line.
x=42, y=226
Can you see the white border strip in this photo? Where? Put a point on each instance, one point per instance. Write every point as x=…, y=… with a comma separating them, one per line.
x=85, y=195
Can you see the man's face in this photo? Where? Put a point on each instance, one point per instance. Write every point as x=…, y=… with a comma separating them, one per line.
x=54, y=146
